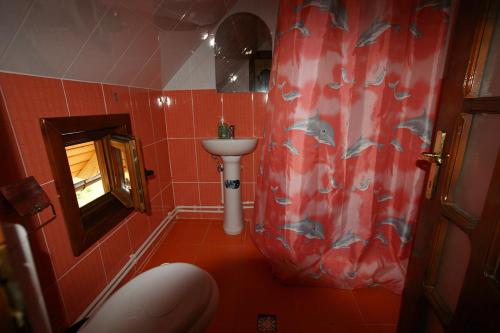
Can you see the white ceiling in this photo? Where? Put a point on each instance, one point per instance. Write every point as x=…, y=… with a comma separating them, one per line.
x=127, y=42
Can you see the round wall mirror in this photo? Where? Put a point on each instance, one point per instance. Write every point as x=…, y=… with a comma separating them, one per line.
x=243, y=54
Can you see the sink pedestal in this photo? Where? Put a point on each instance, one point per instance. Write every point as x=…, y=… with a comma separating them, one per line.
x=233, y=213
x=231, y=150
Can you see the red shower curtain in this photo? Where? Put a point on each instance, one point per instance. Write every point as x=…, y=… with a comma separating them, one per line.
x=352, y=99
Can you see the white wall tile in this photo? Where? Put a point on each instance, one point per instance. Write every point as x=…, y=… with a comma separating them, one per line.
x=51, y=36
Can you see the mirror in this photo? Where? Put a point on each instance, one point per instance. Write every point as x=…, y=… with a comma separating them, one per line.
x=243, y=54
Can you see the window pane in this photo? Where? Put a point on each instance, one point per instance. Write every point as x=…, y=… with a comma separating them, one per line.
x=453, y=265
x=123, y=176
x=490, y=84
x=86, y=172
x=480, y=155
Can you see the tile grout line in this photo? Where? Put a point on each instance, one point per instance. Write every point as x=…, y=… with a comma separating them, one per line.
x=359, y=308
x=74, y=80
x=195, y=150
x=153, y=250
x=65, y=96
x=151, y=116
x=171, y=177
x=104, y=98
x=154, y=147
x=77, y=263
x=48, y=249
x=132, y=108
x=102, y=262
x=202, y=244
x=4, y=99
x=146, y=63
x=112, y=232
x=159, y=242
x=66, y=312
x=170, y=159
x=98, y=23
x=125, y=51
x=21, y=25
x=168, y=151
x=129, y=238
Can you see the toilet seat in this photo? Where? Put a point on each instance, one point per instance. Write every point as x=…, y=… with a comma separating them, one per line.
x=170, y=298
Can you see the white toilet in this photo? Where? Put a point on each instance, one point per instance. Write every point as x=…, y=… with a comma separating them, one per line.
x=171, y=298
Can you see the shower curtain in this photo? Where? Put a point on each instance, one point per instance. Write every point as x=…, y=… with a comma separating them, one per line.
x=353, y=95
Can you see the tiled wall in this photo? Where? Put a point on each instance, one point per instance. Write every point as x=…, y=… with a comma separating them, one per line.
x=193, y=115
x=70, y=283
x=171, y=137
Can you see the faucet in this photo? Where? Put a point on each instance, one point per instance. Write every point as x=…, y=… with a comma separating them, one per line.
x=230, y=132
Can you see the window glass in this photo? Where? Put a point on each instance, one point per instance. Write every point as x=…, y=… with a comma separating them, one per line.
x=85, y=166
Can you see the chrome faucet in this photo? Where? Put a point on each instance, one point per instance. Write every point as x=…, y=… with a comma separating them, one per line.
x=230, y=132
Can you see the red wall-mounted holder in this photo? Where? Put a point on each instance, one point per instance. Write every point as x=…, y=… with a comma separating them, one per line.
x=27, y=198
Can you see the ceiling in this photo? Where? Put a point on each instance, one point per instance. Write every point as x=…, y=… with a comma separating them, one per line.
x=127, y=42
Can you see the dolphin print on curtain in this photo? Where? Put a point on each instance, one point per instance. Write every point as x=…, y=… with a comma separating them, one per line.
x=353, y=95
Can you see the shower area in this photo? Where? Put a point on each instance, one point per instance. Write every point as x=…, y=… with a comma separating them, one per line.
x=353, y=95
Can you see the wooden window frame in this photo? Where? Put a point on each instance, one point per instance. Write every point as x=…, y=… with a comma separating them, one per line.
x=87, y=224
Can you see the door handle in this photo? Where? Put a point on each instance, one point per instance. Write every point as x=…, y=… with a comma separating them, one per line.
x=436, y=159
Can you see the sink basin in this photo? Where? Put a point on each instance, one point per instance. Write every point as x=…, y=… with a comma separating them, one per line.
x=230, y=147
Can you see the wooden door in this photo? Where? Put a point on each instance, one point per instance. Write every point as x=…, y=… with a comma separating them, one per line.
x=453, y=280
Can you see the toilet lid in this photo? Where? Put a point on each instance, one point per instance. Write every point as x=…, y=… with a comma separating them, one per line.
x=168, y=298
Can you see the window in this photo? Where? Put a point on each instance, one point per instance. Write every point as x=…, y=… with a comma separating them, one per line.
x=99, y=173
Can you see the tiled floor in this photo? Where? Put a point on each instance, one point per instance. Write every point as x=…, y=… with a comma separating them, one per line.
x=247, y=287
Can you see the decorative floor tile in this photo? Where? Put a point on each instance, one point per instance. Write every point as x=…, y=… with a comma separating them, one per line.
x=267, y=323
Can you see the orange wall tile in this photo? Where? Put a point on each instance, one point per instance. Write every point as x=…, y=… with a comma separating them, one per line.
x=179, y=114
x=151, y=163
x=186, y=194
x=27, y=99
x=157, y=212
x=207, y=109
x=117, y=99
x=142, y=115
x=163, y=163
x=168, y=198
x=210, y=194
x=115, y=250
x=157, y=115
x=183, y=160
x=238, y=111
x=80, y=285
x=84, y=99
x=138, y=228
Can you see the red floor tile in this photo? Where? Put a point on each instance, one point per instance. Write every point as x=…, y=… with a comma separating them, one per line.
x=380, y=329
x=370, y=301
x=187, y=233
x=172, y=252
x=326, y=307
x=260, y=294
x=217, y=236
x=223, y=262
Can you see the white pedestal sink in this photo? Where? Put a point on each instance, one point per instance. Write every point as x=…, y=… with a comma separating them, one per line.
x=231, y=150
